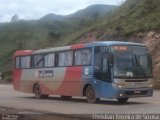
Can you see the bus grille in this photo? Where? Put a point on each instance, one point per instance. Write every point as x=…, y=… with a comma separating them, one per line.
x=129, y=93
x=135, y=80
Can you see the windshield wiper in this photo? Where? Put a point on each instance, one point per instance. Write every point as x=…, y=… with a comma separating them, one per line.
x=139, y=66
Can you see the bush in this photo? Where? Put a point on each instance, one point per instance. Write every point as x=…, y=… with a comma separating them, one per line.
x=8, y=78
x=7, y=75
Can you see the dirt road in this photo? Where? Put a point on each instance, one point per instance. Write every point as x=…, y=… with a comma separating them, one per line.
x=54, y=104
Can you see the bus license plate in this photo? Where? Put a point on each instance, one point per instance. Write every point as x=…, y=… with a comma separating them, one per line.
x=137, y=92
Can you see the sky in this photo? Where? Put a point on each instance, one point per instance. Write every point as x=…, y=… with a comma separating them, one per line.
x=35, y=9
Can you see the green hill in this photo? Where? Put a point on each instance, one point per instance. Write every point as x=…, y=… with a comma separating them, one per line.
x=134, y=20
x=132, y=17
x=49, y=31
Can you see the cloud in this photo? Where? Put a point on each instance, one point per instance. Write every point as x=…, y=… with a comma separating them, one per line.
x=34, y=9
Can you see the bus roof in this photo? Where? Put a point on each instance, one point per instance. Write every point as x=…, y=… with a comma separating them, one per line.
x=23, y=52
x=117, y=43
x=99, y=43
x=76, y=46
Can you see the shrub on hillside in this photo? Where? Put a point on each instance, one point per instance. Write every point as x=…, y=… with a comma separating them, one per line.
x=7, y=75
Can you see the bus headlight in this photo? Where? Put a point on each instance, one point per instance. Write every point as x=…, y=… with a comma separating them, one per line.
x=118, y=85
x=150, y=85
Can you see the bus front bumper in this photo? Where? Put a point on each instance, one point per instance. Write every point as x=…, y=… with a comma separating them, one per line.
x=136, y=92
x=115, y=92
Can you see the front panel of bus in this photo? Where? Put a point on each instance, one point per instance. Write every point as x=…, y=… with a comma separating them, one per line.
x=123, y=71
x=132, y=70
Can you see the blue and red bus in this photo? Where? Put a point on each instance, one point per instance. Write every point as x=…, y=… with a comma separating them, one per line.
x=112, y=70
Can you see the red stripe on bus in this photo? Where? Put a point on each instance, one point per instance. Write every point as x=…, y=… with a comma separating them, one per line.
x=16, y=79
x=23, y=52
x=71, y=85
x=77, y=46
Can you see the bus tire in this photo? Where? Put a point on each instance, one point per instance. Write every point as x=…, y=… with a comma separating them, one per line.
x=37, y=92
x=91, y=96
x=122, y=100
x=45, y=96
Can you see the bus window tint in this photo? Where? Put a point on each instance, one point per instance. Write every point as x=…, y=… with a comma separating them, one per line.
x=49, y=60
x=17, y=63
x=66, y=58
x=38, y=61
x=86, y=57
x=101, y=63
x=139, y=50
x=83, y=57
x=69, y=58
x=99, y=52
x=25, y=62
x=61, y=59
x=78, y=58
x=142, y=60
x=105, y=65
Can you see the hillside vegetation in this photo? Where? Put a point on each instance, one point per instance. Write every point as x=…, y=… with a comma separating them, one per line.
x=134, y=20
x=132, y=17
x=51, y=30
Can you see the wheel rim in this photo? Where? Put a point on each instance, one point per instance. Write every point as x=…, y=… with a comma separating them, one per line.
x=90, y=94
x=37, y=91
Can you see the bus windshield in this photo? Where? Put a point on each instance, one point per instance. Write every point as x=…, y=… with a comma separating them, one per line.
x=131, y=61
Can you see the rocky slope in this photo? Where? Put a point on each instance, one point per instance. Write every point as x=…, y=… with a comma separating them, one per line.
x=152, y=41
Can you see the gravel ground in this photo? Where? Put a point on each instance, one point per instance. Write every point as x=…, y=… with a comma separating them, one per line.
x=15, y=114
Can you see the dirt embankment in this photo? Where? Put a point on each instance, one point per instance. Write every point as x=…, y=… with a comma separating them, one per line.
x=152, y=41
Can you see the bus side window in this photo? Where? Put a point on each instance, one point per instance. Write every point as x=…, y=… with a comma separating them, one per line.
x=25, y=62
x=65, y=59
x=69, y=58
x=17, y=62
x=38, y=60
x=62, y=57
x=83, y=57
x=49, y=60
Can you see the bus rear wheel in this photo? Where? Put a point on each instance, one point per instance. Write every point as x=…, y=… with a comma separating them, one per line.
x=122, y=100
x=37, y=92
x=91, y=96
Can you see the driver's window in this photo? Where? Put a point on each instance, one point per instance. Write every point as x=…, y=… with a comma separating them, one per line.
x=104, y=65
x=101, y=64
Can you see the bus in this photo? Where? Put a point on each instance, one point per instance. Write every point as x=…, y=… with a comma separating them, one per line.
x=109, y=70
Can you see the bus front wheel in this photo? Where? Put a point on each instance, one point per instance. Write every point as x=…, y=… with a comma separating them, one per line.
x=122, y=100
x=37, y=92
x=91, y=96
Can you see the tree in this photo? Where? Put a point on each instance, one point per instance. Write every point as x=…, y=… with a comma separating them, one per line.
x=54, y=35
x=149, y=6
x=118, y=30
x=95, y=16
x=15, y=18
x=85, y=22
